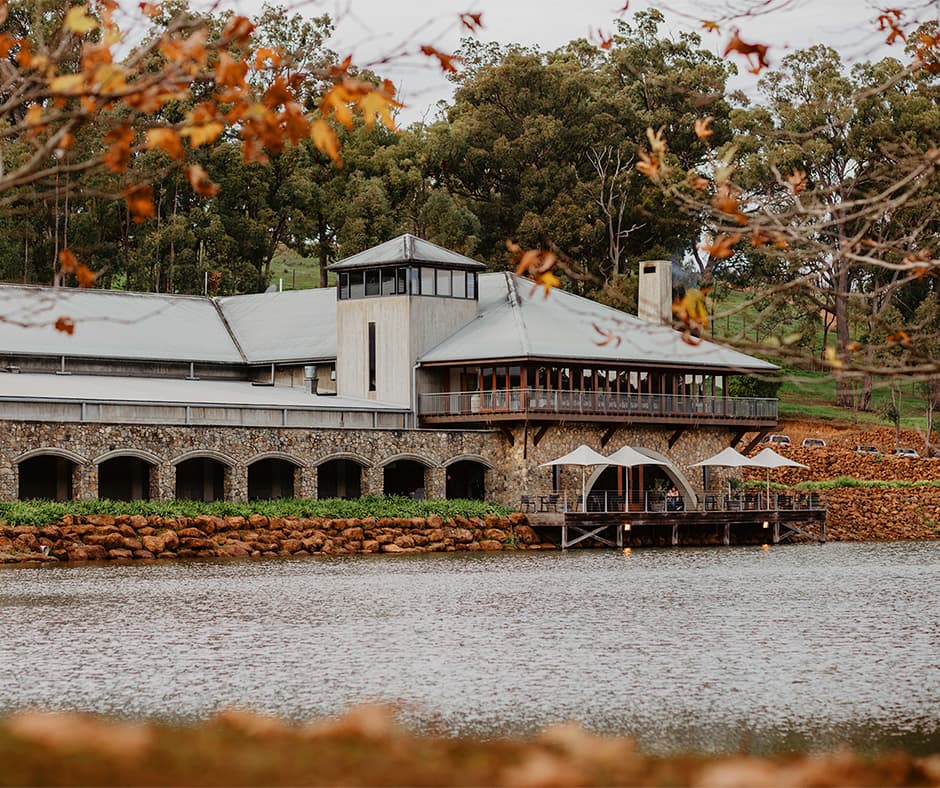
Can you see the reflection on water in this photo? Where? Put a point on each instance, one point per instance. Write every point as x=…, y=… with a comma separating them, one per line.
x=795, y=647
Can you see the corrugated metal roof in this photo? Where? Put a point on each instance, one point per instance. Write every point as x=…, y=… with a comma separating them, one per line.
x=407, y=249
x=113, y=325
x=172, y=391
x=517, y=321
x=299, y=325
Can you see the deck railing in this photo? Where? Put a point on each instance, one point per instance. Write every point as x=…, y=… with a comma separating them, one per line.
x=610, y=501
x=519, y=401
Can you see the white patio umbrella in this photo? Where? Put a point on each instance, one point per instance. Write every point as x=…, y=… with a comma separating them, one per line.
x=769, y=459
x=727, y=458
x=629, y=457
x=583, y=456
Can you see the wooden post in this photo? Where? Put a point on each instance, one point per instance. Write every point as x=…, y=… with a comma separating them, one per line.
x=620, y=535
x=727, y=533
x=777, y=530
x=675, y=534
x=564, y=536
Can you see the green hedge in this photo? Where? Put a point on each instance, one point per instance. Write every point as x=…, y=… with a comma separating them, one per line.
x=46, y=512
x=849, y=481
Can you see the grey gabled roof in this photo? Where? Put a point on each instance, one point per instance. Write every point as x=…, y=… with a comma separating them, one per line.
x=299, y=325
x=113, y=325
x=407, y=249
x=517, y=320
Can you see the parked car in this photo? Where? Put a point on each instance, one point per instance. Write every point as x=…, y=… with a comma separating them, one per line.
x=860, y=449
x=780, y=440
x=909, y=453
x=813, y=443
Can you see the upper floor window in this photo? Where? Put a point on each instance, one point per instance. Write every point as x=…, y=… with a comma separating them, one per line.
x=413, y=280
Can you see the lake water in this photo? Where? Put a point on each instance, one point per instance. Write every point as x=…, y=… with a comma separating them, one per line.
x=716, y=649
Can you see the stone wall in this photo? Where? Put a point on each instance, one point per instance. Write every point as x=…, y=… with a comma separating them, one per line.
x=102, y=538
x=511, y=455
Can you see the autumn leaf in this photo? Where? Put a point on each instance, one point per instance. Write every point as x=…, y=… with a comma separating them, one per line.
x=726, y=201
x=85, y=276
x=547, y=280
x=648, y=165
x=266, y=55
x=78, y=22
x=150, y=10
x=335, y=101
x=710, y=26
x=691, y=310
x=166, y=140
x=447, y=62
x=378, y=104
x=797, y=181
x=202, y=134
x=69, y=84
x=722, y=247
x=473, y=22
x=200, y=181
x=657, y=140
x=326, y=141
x=68, y=262
x=139, y=201
x=696, y=181
x=118, y=155
x=230, y=72
x=604, y=41
x=702, y=130
x=899, y=337
x=4, y=11
x=755, y=54
x=889, y=21
x=238, y=30
x=277, y=93
x=66, y=325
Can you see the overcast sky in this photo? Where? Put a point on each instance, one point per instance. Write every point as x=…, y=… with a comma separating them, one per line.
x=373, y=29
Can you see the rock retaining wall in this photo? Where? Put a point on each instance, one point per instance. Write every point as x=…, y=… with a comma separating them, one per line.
x=129, y=537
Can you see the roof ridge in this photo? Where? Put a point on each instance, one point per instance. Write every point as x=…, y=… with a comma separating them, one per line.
x=515, y=305
x=228, y=328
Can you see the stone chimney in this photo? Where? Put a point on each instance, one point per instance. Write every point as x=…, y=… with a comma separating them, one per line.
x=654, y=300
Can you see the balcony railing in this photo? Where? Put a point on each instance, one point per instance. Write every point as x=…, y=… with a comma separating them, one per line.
x=513, y=403
x=645, y=501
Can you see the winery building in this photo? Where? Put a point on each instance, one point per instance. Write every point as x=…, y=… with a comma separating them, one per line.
x=418, y=374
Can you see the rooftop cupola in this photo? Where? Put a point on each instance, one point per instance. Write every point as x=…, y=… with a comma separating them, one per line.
x=396, y=301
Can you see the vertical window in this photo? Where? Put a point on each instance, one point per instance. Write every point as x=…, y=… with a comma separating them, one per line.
x=388, y=281
x=373, y=277
x=443, y=282
x=356, y=289
x=402, y=286
x=343, y=286
x=415, y=278
x=427, y=281
x=471, y=285
x=460, y=285
x=371, y=356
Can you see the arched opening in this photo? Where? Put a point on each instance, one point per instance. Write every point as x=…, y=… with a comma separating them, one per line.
x=46, y=477
x=271, y=478
x=200, y=479
x=339, y=479
x=404, y=477
x=466, y=479
x=124, y=479
x=648, y=487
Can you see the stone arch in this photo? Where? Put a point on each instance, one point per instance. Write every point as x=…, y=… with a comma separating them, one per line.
x=670, y=469
x=203, y=475
x=469, y=458
x=127, y=474
x=210, y=454
x=272, y=475
x=276, y=455
x=406, y=474
x=54, y=451
x=365, y=462
x=48, y=474
x=140, y=454
x=339, y=475
x=466, y=477
x=406, y=457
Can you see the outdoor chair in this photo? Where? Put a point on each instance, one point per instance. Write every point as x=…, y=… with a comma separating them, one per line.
x=526, y=504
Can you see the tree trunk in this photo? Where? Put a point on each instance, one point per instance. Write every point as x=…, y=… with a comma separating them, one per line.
x=324, y=247
x=840, y=309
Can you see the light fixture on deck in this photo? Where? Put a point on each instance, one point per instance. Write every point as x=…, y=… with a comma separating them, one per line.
x=766, y=524
x=626, y=526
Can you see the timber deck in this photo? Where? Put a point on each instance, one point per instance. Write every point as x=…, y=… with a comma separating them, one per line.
x=683, y=528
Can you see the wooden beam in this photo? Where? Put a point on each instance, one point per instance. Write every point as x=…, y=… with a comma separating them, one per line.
x=509, y=436
x=525, y=440
x=737, y=436
x=539, y=434
x=608, y=434
x=675, y=436
x=754, y=441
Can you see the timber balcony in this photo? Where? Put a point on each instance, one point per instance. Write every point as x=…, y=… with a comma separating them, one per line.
x=521, y=404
